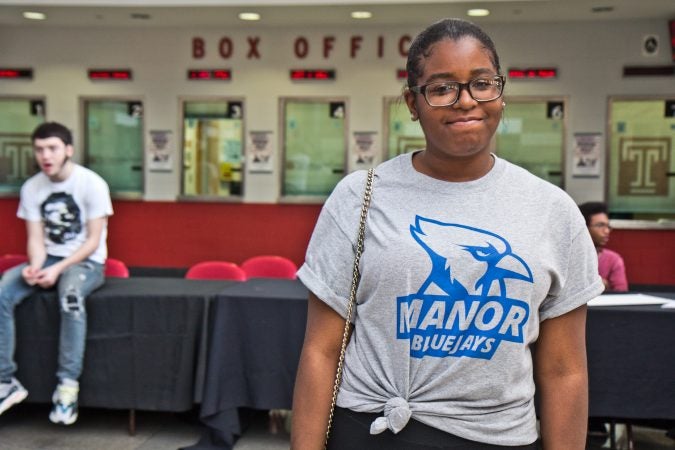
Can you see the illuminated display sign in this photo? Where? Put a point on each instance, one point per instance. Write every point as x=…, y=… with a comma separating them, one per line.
x=648, y=71
x=312, y=74
x=16, y=74
x=209, y=74
x=109, y=74
x=533, y=73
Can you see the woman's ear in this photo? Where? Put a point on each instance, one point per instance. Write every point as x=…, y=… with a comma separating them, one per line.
x=409, y=97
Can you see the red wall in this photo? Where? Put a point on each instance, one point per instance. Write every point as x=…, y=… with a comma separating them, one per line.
x=649, y=255
x=170, y=234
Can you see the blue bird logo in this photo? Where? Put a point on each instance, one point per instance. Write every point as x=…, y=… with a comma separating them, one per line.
x=477, y=251
x=462, y=307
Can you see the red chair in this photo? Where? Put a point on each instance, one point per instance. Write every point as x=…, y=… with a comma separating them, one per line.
x=10, y=260
x=215, y=270
x=269, y=266
x=116, y=269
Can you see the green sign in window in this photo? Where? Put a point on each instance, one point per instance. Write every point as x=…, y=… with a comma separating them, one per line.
x=402, y=135
x=315, y=146
x=642, y=157
x=114, y=143
x=18, y=119
x=532, y=135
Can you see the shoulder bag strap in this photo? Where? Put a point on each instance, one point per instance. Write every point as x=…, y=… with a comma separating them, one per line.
x=356, y=277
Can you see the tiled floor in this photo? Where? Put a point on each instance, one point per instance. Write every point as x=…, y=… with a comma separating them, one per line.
x=26, y=427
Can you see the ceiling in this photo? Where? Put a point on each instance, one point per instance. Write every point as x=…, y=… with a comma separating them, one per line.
x=316, y=13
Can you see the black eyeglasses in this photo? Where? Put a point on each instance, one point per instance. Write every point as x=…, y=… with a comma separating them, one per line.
x=446, y=93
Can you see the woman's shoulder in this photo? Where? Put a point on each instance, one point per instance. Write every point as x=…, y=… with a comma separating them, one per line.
x=525, y=180
x=354, y=182
x=548, y=197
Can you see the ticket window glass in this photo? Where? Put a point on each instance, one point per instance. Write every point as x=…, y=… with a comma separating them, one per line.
x=213, y=133
x=314, y=146
x=113, y=143
x=641, y=181
x=18, y=119
x=402, y=135
x=531, y=134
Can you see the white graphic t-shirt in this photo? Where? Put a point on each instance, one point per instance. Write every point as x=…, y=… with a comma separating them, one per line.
x=455, y=279
x=65, y=207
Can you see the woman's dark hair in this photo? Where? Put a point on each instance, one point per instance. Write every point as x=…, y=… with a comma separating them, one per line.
x=53, y=129
x=453, y=29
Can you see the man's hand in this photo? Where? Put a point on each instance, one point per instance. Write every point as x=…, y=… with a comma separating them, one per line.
x=47, y=277
x=30, y=275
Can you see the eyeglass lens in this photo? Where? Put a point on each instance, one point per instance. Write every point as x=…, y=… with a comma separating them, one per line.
x=447, y=92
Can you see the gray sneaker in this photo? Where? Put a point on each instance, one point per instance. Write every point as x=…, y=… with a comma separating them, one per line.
x=65, y=408
x=10, y=394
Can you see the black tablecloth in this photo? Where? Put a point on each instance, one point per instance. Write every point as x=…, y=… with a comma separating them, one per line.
x=631, y=361
x=145, y=349
x=256, y=335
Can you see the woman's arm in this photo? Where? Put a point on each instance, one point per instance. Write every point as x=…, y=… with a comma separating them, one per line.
x=562, y=380
x=316, y=375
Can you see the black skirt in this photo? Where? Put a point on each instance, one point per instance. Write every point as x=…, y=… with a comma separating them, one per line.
x=351, y=431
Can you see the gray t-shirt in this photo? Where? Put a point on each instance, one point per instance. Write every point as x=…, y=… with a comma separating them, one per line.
x=456, y=278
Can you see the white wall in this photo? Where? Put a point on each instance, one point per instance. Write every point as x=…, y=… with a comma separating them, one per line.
x=589, y=57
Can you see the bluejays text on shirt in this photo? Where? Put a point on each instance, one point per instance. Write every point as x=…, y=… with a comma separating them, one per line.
x=471, y=327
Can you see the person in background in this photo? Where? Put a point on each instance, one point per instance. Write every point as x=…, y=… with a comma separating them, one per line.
x=610, y=263
x=474, y=280
x=66, y=208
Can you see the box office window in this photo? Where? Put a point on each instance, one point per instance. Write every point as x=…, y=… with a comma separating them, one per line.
x=401, y=134
x=113, y=143
x=18, y=119
x=531, y=134
x=213, y=133
x=314, y=146
x=641, y=175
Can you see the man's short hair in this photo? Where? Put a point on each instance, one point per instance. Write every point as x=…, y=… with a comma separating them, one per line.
x=52, y=129
x=589, y=209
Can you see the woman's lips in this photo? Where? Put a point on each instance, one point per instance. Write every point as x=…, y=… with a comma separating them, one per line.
x=468, y=122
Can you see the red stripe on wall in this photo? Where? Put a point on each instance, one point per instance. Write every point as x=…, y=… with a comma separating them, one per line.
x=649, y=255
x=167, y=234
x=170, y=234
x=174, y=234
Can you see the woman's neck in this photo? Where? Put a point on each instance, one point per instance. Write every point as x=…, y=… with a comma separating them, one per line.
x=453, y=169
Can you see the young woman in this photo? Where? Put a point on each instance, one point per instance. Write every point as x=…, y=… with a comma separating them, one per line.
x=475, y=276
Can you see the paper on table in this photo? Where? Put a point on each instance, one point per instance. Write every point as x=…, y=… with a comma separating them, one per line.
x=631, y=299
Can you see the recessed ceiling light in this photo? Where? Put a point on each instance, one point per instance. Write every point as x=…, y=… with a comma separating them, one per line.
x=33, y=15
x=478, y=12
x=249, y=16
x=361, y=14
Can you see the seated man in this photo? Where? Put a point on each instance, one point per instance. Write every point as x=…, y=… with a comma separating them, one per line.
x=610, y=263
x=65, y=207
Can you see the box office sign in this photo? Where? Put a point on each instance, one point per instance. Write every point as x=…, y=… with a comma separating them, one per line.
x=303, y=47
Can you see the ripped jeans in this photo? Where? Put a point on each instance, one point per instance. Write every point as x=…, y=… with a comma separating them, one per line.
x=73, y=286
